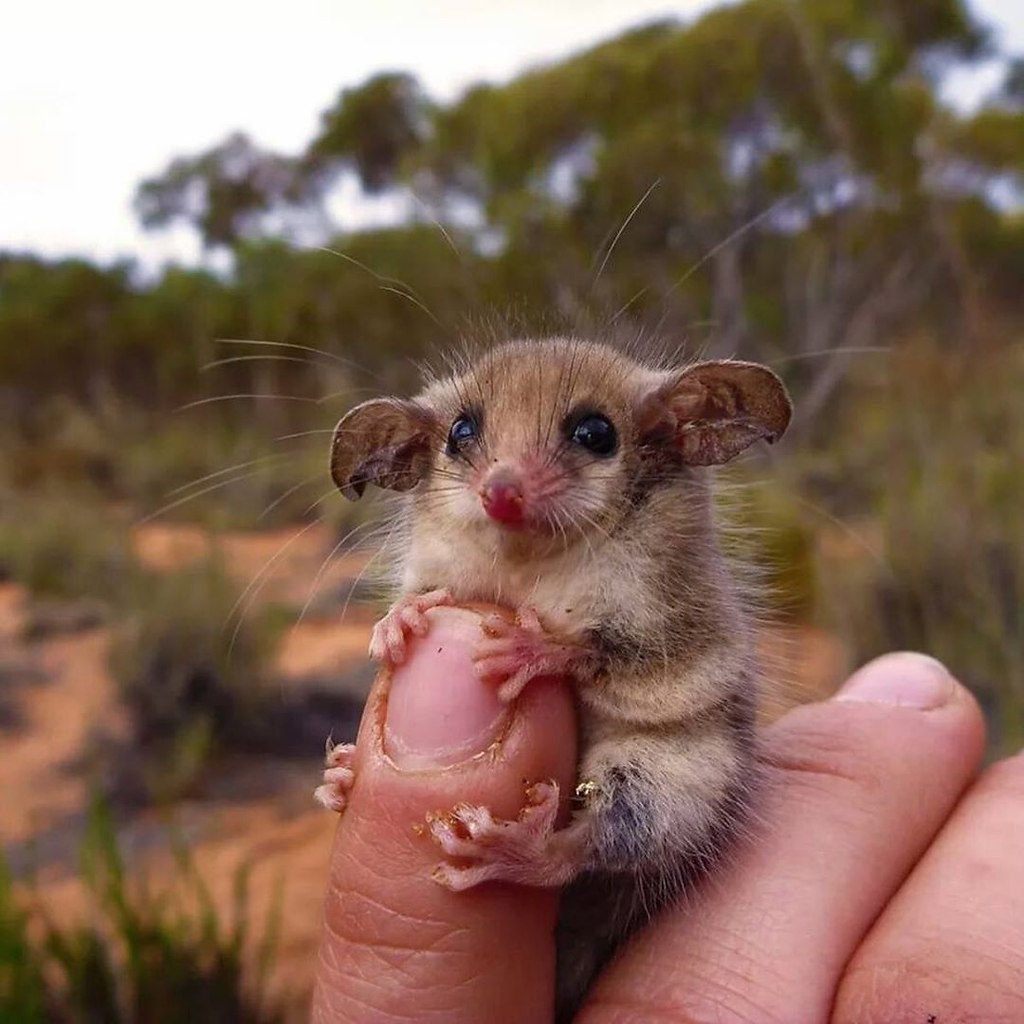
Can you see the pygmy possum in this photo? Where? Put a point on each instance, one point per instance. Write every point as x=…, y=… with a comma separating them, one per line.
x=570, y=480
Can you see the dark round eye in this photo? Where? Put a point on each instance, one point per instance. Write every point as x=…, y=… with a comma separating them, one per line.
x=462, y=431
x=596, y=434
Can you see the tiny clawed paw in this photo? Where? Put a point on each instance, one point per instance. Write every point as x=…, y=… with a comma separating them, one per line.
x=495, y=664
x=407, y=616
x=496, y=625
x=458, y=879
x=414, y=620
x=525, y=623
x=451, y=834
x=541, y=794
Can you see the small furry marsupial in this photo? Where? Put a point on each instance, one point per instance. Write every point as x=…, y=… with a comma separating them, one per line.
x=569, y=481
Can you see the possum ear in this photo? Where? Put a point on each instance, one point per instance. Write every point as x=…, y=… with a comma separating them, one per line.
x=713, y=411
x=385, y=442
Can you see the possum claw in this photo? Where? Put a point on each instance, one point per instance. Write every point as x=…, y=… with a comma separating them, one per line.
x=514, y=653
x=339, y=777
x=527, y=850
x=406, y=616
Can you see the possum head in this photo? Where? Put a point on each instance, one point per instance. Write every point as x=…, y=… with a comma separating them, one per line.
x=552, y=439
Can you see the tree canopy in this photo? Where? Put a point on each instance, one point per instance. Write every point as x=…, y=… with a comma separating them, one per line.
x=789, y=172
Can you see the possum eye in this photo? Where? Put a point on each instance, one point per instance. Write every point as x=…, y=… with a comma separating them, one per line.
x=595, y=433
x=462, y=431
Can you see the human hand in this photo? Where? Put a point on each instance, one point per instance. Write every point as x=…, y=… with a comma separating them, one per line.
x=880, y=884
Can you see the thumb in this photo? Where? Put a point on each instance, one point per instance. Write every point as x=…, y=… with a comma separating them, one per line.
x=396, y=946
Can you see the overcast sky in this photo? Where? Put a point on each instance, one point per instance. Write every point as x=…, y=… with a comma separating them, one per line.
x=95, y=96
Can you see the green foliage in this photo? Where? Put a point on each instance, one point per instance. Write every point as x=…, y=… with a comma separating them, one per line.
x=23, y=988
x=145, y=957
x=941, y=441
x=63, y=545
x=190, y=659
x=893, y=207
x=227, y=189
x=371, y=128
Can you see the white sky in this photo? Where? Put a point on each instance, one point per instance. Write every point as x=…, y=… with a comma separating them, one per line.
x=96, y=96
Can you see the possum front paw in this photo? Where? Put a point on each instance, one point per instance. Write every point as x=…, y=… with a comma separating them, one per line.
x=514, y=653
x=527, y=850
x=407, y=615
x=339, y=776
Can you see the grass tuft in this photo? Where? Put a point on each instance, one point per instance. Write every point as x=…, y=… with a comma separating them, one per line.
x=145, y=956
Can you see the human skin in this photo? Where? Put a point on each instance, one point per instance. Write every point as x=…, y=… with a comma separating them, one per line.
x=883, y=881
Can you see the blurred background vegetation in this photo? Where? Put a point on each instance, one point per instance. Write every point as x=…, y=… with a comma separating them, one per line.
x=787, y=181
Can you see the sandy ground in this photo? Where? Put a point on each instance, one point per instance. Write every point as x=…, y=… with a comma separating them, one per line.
x=282, y=835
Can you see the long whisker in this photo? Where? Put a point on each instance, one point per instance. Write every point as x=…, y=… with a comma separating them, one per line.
x=345, y=392
x=618, y=234
x=287, y=494
x=366, y=568
x=340, y=360
x=853, y=534
x=824, y=353
x=229, y=398
x=437, y=224
x=384, y=278
x=255, y=359
x=222, y=472
x=257, y=582
x=315, y=586
x=303, y=433
x=196, y=494
x=623, y=308
x=728, y=240
x=414, y=301
x=387, y=284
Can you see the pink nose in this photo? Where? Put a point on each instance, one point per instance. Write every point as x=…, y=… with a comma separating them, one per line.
x=503, y=501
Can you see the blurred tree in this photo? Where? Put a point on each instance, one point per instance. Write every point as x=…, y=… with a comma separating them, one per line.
x=225, y=193
x=371, y=128
x=787, y=172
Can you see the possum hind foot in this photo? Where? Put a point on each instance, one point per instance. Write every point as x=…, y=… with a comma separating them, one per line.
x=527, y=850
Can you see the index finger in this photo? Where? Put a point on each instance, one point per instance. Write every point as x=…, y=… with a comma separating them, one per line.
x=397, y=946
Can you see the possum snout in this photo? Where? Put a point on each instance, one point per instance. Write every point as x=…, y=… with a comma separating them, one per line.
x=501, y=494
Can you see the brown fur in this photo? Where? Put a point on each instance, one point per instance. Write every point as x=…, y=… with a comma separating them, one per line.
x=621, y=555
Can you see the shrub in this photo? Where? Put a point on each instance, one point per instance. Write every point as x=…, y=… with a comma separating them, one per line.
x=145, y=957
x=943, y=570
x=192, y=672
x=236, y=477
x=62, y=544
x=23, y=992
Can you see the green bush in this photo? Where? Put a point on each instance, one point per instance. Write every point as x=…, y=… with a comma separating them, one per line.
x=190, y=660
x=943, y=570
x=143, y=958
x=204, y=470
x=228, y=464
x=23, y=991
x=63, y=544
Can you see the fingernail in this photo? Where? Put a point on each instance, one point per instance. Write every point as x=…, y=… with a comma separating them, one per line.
x=905, y=680
x=439, y=713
